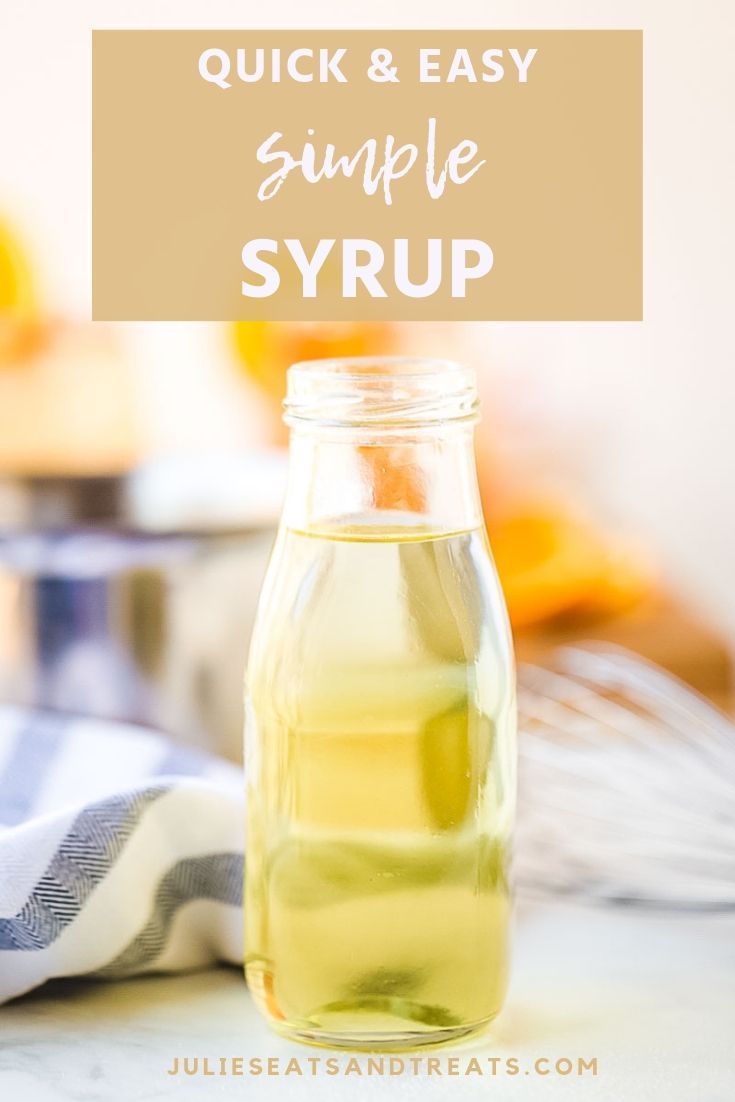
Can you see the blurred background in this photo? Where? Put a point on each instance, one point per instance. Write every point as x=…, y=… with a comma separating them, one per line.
x=142, y=465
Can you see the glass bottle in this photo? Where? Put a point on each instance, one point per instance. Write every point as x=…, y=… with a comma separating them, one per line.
x=380, y=721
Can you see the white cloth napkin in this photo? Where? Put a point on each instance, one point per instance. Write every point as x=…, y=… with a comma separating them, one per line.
x=120, y=852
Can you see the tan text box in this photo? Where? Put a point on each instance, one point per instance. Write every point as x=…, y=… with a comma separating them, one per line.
x=557, y=200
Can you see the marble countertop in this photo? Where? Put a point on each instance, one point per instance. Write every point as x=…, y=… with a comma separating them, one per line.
x=650, y=996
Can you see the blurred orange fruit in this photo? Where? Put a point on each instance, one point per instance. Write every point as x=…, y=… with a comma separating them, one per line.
x=266, y=349
x=16, y=283
x=551, y=562
x=20, y=331
x=395, y=480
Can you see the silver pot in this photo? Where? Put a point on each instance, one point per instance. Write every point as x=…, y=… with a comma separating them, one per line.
x=102, y=618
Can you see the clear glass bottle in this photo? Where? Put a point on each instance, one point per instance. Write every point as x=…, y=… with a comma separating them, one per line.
x=380, y=728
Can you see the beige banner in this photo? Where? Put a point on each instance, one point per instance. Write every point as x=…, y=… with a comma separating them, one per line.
x=509, y=188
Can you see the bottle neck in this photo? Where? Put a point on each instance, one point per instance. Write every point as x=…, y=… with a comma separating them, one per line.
x=423, y=479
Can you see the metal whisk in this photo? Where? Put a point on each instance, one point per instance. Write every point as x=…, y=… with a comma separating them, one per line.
x=627, y=784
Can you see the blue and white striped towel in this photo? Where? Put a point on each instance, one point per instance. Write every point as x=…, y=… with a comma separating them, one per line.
x=120, y=852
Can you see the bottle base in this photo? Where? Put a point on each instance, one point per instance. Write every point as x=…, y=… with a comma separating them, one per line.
x=404, y=1040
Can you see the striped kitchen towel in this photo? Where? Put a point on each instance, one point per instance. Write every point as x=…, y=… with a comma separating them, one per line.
x=120, y=852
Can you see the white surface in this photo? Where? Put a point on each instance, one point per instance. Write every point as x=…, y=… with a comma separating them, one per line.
x=652, y=996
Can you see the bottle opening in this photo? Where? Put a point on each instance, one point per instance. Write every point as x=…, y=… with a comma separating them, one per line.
x=395, y=391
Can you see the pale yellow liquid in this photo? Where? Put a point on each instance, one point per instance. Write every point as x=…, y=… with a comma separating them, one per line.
x=380, y=763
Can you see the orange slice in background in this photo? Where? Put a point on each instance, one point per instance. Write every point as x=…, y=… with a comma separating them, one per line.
x=394, y=479
x=552, y=562
x=266, y=349
x=20, y=331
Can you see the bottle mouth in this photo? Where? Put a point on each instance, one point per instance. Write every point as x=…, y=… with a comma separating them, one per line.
x=395, y=391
